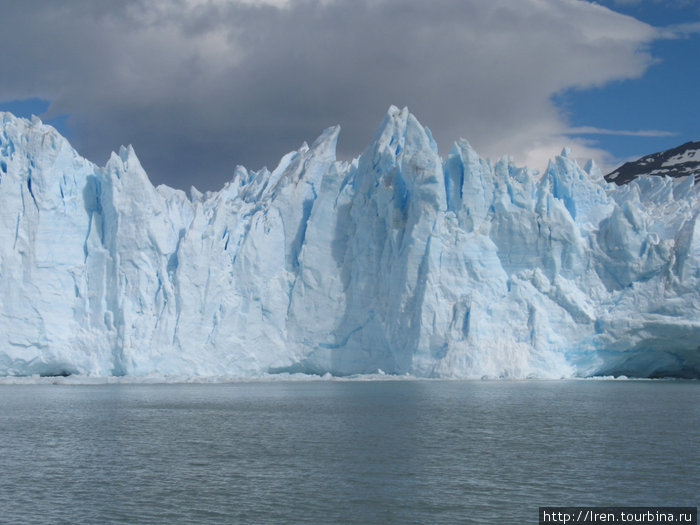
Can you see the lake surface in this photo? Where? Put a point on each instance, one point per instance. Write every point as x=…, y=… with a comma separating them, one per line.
x=344, y=451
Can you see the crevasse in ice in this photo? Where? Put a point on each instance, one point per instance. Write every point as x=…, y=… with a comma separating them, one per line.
x=398, y=261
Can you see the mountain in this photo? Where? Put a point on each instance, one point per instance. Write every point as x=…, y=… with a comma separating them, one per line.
x=681, y=161
x=399, y=261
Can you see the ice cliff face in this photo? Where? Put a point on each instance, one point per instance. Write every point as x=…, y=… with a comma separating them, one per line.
x=399, y=261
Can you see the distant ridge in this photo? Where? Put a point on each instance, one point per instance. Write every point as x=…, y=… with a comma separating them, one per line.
x=680, y=161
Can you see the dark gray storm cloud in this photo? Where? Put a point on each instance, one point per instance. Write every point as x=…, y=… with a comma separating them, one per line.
x=198, y=86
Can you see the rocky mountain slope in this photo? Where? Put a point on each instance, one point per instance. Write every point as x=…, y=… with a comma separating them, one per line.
x=681, y=161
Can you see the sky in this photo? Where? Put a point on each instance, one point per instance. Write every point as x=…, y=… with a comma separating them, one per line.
x=200, y=86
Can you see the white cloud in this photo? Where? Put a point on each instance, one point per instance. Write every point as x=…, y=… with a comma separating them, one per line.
x=199, y=85
x=679, y=30
x=591, y=130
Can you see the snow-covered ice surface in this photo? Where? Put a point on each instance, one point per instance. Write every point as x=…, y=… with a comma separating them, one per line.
x=399, y=261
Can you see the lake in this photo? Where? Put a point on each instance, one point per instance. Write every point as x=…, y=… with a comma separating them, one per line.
x=344, y=451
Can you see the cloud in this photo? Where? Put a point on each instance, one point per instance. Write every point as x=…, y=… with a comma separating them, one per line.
x=199, y=86
x=679, y=30
x=590, y=130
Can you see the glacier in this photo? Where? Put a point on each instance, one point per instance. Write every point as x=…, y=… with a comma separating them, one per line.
x=400, y=262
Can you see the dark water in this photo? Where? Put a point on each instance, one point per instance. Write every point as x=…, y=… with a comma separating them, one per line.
x=344, y=452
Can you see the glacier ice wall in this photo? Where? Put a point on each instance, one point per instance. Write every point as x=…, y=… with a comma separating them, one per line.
x=399, y=261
